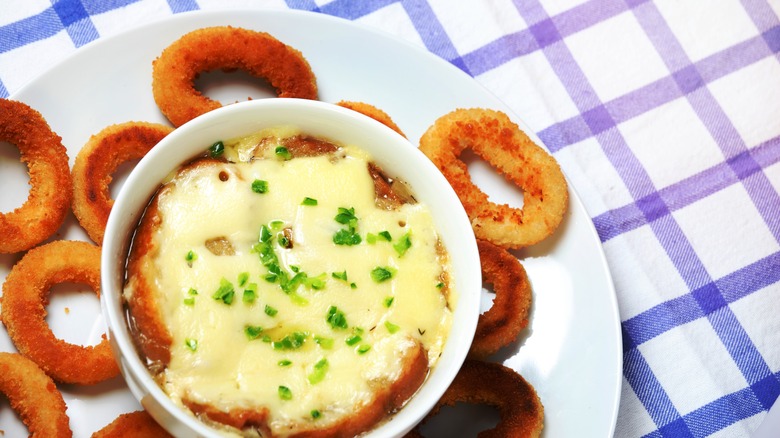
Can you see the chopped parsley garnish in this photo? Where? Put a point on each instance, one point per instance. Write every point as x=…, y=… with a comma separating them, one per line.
x=348, y=236
x=249, y=296
x=352, y=340
x=309, y=201
x=217, y=149
x=253, y=331
x=439, y=285
x=389, y=301
x=315, y=414
x=190, y=300
x=363, y=349
x=283, y=153
x=325, y=343
x=293, y=341
x=243, y=278
x=191, y=257
x=285, y=393
x=385, y=235
x=259, y=186
x=381, y=274
x=284, y=363
x=191, y=344
x=403, y=244
x=340, y=275
x=225, y=292
x=392, y=328
x=336, y=318
x=270, y=311
x=319, y=371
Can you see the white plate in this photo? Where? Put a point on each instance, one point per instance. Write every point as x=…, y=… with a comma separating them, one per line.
x=572, y=350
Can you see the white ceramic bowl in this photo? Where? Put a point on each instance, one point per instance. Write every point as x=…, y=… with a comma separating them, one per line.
x=391, y=151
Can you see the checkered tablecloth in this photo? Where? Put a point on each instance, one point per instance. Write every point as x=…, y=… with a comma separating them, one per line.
x=664, y=114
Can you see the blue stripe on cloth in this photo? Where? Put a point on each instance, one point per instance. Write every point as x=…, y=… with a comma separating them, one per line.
x=95, y=7
x=694, y=188
x=305, y=5
x=681, y=310
x=29, y=30
x=76, y=20
x=178, y=6
x=352, y=10
x=3, y=91
x=647, y=388
x=431, y=31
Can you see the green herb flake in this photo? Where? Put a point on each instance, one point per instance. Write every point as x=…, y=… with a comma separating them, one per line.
x=363, y=349
x=325, y=343
x=260, y=186
x=216, y=149
x=439, y=285
x=352, y=340
x=318, y=372
x=293, y=341
x=315, y=414
x=284, y=393
x=381, y=274
x=309, y=201
x=392, y=328
x=265, y=234
x=347, y=217
x=388, y=301
x=190, y=257
x=249, y=296
x=283, y=153
x=243, y=278
x=336, y=318
x=192, y=291
x=270, y=311
x=370, y=238
x=284, y=363
x=225, y=292
x=190, y=301
x=403, y=244
x=385, y=235
x=253, y=331
x=346, y=237
x=340, y=275
x=191, y=344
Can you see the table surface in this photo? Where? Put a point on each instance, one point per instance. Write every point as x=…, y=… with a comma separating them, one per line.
x=665, y=117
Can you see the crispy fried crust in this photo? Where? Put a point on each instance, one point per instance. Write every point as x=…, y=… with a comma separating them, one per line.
x=388, y=398
x=225, y=48
x=373, y=112
x=496, y=139
x=500, y=325
x=34, y=396
x=25, y=294
x=147, y=324
x=95, y=163
x=50, y=183
x=521, y=411
x=138, y=424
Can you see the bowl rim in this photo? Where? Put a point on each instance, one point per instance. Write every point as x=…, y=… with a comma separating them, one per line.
x=122, y=222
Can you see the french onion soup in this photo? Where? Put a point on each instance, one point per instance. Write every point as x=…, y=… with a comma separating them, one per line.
x=284, y=285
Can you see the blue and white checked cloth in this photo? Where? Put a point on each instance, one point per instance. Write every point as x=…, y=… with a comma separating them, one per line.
x=664, y=114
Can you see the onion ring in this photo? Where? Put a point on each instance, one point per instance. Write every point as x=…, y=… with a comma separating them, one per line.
x=373, y=112
x=50, y=183
x=34, y=396
x=138, y=424
x=496, y=139
x=226, y=48
x=500, y=325
x=95, y=163
x=521, y=411
x=25, y=294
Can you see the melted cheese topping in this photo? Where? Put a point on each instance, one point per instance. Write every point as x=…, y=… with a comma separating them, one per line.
x=213, y=358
